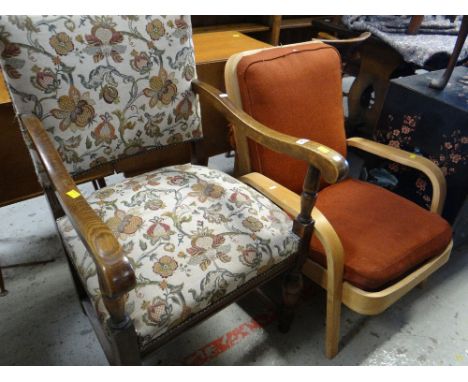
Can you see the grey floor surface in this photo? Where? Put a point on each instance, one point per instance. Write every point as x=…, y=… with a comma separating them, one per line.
x=41, y=322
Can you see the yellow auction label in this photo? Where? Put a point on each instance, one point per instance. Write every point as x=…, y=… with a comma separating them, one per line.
x=412, y=156
x=73, y=194
x=323, y=149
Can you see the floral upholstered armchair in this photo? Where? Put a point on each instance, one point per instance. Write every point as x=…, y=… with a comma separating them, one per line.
x=156, y=253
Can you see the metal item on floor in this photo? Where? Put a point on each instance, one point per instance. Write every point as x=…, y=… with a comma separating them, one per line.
x=3, y=291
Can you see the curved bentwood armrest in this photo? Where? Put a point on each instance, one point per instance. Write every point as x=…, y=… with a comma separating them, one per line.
x=426, y=166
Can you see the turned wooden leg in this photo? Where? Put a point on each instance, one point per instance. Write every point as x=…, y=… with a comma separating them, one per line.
x=124, y=341
x=292, y=287
x=303, y=227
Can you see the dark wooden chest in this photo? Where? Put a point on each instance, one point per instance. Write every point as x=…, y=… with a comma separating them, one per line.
x=427, y=122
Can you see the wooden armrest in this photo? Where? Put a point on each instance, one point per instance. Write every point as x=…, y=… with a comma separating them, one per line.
x=116, y=275
x=434, y=173
x=332, y=40
x=331, y=164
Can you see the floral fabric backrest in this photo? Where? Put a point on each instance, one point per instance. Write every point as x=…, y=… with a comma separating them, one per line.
x=104, y=87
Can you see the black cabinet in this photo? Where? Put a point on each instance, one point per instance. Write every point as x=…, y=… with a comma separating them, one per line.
x=427, y=122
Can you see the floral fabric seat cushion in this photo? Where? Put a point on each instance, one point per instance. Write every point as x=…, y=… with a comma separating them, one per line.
x=192, y=234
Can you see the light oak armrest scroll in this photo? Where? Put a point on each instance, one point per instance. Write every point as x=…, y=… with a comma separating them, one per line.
x=331, y=164
x=116, y=275
x=434, y=173
x=332, y=40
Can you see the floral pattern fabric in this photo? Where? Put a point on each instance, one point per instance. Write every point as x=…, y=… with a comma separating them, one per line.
x=104, y=87
x=192, y=234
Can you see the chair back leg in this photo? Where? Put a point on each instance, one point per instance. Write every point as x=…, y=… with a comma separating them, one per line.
x=292, y=287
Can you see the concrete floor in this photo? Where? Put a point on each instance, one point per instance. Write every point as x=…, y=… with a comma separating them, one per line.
x=42, y=323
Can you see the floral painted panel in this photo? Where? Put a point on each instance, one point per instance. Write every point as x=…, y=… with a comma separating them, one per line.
x=103, y=86
x=192, y=234
x=429, y=123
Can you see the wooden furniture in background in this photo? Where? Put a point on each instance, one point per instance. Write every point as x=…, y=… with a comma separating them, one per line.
x=432, y=123
x=347, y=47
x=274, y=30
x=414, y=24
x=366, y=96
x=264, y=28
x=377, y=63
x=18, y=180
x=373, y=66
x=211, y=53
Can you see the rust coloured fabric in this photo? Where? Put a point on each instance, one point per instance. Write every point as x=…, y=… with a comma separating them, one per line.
x=295, y=90
x=384, y=236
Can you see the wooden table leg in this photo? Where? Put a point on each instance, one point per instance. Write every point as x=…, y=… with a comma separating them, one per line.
x=414, y=24
x=378, y=62
x=3, y=291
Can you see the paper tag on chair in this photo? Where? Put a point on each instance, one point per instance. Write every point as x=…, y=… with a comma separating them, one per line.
x=73, y=194
x=323, y=149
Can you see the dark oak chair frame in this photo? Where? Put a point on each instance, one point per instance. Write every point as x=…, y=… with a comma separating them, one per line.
x=116, y=275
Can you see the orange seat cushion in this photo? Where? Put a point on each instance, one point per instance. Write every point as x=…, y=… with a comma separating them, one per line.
x=384, y=236
x=295, y=90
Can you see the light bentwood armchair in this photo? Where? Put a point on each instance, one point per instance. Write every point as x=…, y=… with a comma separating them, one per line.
x=370, y=246
x=156, y=253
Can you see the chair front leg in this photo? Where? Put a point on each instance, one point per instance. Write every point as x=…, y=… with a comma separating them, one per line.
x=124, y=340
x=303, y=227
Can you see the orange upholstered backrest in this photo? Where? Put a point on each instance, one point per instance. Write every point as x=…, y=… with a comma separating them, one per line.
x=295, y=90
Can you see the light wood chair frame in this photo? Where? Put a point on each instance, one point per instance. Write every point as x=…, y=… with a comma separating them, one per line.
x=115, y=273
x=331, y=277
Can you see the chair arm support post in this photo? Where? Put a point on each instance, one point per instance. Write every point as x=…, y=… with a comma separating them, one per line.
x=303, y=225
x=116, y=308
x=426, y=166
x=115, y=273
